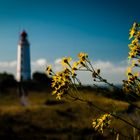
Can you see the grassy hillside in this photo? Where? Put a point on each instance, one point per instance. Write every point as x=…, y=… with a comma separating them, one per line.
x=46, y=118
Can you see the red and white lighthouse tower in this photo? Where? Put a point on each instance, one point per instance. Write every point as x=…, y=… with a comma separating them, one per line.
x=23, y=59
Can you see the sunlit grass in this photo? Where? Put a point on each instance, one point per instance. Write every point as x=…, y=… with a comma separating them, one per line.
x=37, y=100
x=44, y=112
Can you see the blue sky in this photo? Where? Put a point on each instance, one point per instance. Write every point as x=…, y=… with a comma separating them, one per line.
x=58, y=28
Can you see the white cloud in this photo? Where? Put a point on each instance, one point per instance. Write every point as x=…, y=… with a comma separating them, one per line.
x=114, y=73
x=57, y=65
x=39, y=62
x=8, y=63
x=39, y=65
x=57, y=61
x=13, y=63
x=109, y=67
x=8, y=66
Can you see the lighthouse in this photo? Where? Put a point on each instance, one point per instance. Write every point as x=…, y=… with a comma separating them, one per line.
x=23, y=59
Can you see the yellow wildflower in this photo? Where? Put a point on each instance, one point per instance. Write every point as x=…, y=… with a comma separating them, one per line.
x=133, y=63
x=65, y=61
x=54, y=92
x=135, y=41
x=136, y=74
x=129, y=70
x=59, y=95
x=60, y=82
x=75, y=64
x=138, y=34
x=132, y=54
x=102, y=122
x=66, y=71
x=133, y=48
x=82, y=63
x=49, y=70
x=132, y=32
x=74, y=67
x=134, y=24
x=82, y=56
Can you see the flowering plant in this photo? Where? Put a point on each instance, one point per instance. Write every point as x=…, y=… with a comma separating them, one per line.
x=65, y=82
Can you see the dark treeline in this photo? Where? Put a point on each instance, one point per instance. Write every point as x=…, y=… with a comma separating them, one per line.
x=41, y=82
x=38, y=82
x=6, y=81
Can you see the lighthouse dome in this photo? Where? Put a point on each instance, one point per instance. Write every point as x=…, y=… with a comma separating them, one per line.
x=23, y=34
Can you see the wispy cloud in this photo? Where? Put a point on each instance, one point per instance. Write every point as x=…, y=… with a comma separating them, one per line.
x=10, y=66
x=114, y=73
x=8, y=63
x=39, y=65
x=39, y=62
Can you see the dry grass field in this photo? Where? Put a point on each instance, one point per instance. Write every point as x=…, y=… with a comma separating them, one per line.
x=45, y=118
